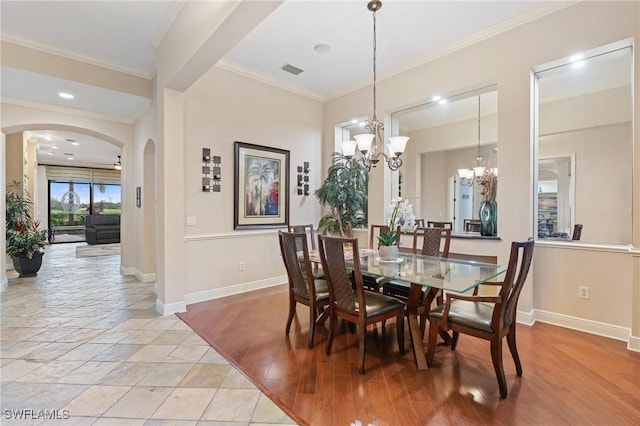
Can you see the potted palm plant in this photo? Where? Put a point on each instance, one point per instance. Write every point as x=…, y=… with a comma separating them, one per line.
x=344, y=191
x=25, y=239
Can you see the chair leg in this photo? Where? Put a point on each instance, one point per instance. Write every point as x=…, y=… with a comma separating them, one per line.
x=431, y=344
x=362, y=346
x=332, y=325
x=400, y=331
x=312, y=325
x=292, y=312
x=496, y=357
x=454, y=340
x=511, y=340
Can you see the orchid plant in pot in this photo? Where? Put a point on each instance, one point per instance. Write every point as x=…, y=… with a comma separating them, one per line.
x=389, y=239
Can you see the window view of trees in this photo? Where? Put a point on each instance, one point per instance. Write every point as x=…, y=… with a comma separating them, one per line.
x=69, y=202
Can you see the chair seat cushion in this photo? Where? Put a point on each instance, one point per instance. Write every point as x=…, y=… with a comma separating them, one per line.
x=378, y=304
x=399, y=289
x=322, y=289
x=469, y=314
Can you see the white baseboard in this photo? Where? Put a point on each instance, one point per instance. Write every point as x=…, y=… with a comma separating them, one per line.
x=588, y=326
x=634, y=344
x=127, y=271
x=217, y=293
x=526, y=318
x=171, y=308
x=145, y=278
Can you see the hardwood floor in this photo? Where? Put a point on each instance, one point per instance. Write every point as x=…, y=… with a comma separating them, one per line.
x=569, y=378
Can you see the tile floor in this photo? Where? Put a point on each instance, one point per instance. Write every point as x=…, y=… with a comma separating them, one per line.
x=83, y=342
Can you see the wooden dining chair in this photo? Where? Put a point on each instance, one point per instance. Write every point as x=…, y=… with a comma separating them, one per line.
x=303, y=287
x=305, y=229
x=309, y=231
x=432, y=245
x=487, y=317
x=419, y=223
x=350, y=301
x=577, y=232
x=471, y=225
x=437, y=224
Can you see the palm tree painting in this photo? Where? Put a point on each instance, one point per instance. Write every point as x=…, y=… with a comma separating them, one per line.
x=261, y=186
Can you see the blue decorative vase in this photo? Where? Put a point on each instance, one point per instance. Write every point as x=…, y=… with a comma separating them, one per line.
x=488, y=218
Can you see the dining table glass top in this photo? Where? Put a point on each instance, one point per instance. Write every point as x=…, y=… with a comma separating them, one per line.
x=446, y=274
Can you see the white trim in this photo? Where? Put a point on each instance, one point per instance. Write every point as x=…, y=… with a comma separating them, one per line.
x=526, y=318
x=4, y=284
x=75, y=111
x=145, y=278
x=227, y=65
x=580, y=324
x=245, y=234
x=217, y=293
x=634, y=344
x=170, y=309
x=51, y=50
x=127, y=271
x=577, y=245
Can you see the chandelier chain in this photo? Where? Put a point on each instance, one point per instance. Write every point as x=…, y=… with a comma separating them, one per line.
x=374, y=66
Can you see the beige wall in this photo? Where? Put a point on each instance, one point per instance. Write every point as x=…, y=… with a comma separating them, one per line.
x=507, y=60
x=221, y=108
x=15, y=157
x=603, y=175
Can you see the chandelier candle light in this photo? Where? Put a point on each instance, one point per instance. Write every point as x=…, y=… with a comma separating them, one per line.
x=370, y=144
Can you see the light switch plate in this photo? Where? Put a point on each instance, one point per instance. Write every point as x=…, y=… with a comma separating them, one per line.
x=191, y=221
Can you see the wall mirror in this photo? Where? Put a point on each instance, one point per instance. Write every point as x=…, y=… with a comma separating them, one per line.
x=448, y=135
x=585, y=147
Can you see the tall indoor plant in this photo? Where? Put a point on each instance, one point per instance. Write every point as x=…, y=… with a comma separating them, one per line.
x=25, y=239
x=344, y=191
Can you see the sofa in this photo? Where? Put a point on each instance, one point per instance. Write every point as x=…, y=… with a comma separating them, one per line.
x=102, y=228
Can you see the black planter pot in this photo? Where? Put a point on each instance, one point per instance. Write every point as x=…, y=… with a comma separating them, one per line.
x=27, y=267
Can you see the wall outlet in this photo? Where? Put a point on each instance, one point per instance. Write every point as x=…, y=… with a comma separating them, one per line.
x=583, y=292
x=243, y=266
x=191, y=221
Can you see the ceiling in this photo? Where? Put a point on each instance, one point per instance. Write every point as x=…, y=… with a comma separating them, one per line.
x=123, y=36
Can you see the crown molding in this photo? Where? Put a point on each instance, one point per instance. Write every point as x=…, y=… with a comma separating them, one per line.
x=545, y=9
x=71, y=111
x=254, y=75
x=21, y=41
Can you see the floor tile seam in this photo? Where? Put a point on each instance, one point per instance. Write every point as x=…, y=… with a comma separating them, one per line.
x=201, y=414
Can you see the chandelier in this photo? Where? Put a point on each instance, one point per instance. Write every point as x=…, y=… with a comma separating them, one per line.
x=371, y=144
x=482, y=165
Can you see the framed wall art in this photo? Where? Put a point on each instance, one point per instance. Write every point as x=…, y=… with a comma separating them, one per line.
x=261, y=187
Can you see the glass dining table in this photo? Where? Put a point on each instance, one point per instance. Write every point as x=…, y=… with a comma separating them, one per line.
x=433, y=275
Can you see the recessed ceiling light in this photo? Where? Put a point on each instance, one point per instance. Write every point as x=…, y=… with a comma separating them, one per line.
x=50, y=153
x=322, y=48
x=49, y=138
x=69, y=158
x=442, y=101
x=436, y=98
x=65, y=95
x=75, y=143
x=54, y=147
x=354, y=121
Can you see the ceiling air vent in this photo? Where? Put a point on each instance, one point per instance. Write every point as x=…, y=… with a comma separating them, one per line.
x=290, y=68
